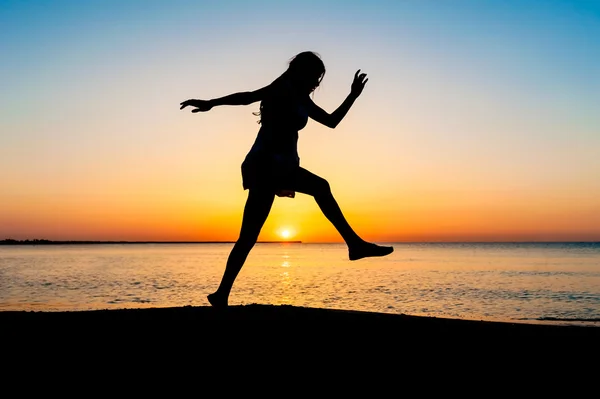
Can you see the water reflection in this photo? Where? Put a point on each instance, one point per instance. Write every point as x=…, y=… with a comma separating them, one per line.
x=474, y=281
x=285, y=282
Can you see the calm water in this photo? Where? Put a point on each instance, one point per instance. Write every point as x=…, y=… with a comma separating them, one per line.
x=542, y=283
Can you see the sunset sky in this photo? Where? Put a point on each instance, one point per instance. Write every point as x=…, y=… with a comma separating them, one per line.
x=480, y=120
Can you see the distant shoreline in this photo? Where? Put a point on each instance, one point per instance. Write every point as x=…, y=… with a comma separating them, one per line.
x=93, y=242
x=50, y=242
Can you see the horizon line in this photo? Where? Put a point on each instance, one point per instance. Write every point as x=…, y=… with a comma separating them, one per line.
x=10, y=241
x=45, y=241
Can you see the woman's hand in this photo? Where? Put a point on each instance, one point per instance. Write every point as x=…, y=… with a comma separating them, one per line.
x=359, y=83
x=200, y=105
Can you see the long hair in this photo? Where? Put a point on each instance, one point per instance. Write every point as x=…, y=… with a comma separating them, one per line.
x=306, y=63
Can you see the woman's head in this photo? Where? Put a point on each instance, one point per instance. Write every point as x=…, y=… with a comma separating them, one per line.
x=306, y=70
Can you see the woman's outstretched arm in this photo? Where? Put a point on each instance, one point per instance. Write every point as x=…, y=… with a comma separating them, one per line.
x=242, y=98
x=333, y=119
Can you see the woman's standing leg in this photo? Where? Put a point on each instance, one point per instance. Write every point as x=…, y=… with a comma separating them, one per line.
x=311, y=184
x=257, y=208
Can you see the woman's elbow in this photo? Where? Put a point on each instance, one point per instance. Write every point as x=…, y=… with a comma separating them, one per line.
x=332, y=124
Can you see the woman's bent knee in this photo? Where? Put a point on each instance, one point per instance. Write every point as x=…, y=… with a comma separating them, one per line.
x=322, y=187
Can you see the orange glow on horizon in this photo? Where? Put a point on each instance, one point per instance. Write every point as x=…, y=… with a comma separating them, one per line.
x=426, y=219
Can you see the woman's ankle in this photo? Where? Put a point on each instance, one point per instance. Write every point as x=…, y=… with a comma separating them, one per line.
x=218, y=300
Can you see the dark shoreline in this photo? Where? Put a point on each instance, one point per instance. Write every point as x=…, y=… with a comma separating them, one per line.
x=287, y=336
x=47, y=242
x=62, y=242
x=196, y=316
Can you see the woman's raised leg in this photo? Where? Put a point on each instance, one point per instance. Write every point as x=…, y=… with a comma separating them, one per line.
x=311, y=184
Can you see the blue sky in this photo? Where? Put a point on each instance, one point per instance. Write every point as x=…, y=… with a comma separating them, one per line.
x=464, y=98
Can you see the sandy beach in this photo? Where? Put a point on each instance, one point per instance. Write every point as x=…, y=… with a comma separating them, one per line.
x=305, y=345
x=208, y=320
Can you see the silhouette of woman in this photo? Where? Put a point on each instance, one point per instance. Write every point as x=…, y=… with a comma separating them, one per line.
x=272, y=166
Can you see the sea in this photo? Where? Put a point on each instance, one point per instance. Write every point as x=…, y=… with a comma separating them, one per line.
x=542, y=283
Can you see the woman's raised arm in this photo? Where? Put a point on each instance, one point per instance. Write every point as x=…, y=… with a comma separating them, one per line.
x=241, y=98
x=333, y=119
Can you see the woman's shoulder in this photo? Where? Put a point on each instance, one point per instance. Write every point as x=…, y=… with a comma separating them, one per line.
x=281, y=85
x=282, y=92
x=285, y=88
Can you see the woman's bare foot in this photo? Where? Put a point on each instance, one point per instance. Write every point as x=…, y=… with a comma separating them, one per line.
x=217, y=301
x=367, y=249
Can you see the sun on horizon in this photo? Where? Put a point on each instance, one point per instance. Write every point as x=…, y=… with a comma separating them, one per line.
x=285, y=233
